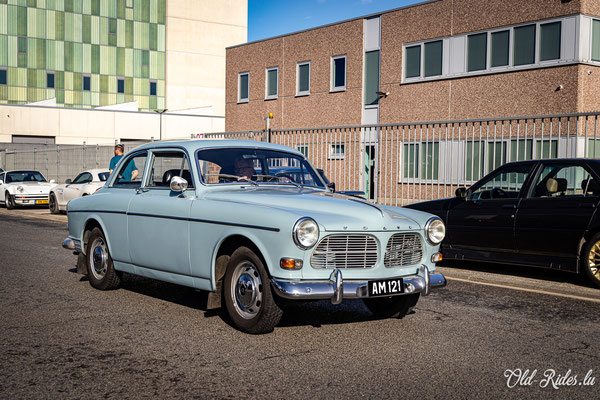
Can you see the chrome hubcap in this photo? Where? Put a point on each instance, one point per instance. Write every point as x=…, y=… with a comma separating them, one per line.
x=246, y=289
x=594, y=260
x=98, y=258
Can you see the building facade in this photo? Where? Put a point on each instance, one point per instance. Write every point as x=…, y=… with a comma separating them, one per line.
x=142, y=55
x=435, y=61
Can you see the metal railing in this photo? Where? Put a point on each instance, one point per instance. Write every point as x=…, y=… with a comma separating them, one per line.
x=398, y=164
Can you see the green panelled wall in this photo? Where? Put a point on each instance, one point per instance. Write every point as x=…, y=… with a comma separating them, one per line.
x=103, y=39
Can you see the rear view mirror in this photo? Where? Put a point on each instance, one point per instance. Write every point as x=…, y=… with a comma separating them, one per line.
x=461, y=193
x=178, y=184
x=331, y=186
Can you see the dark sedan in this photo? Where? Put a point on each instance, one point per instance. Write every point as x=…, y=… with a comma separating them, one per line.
x=539, y=213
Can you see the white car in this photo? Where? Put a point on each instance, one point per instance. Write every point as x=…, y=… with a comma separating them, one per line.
x=24, y=188
x=84, y=184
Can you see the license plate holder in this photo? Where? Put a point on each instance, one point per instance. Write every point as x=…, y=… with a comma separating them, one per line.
x=41, y=202
x=386, y=287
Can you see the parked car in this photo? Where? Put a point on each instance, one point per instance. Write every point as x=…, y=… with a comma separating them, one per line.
x=84, y=184
x=211, y=215
x=24, y=188
x=539, y=213
x=295, y=174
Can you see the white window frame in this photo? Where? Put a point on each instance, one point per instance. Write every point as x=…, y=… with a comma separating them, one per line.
x=332, y=81
x=276, y=95
x=302, y=146
x=239, y=99
x=333, y=155
x=298, y=91
x=591, y=40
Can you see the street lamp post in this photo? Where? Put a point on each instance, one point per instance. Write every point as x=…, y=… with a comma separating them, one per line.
x=160, y=113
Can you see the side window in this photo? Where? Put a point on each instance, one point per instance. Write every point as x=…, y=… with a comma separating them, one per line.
x=564, y=181
x=84, y=177
x=166, y=165
x=506, y=183
x=130, y=173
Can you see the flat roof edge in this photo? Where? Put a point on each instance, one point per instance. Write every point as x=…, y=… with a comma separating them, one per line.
x=335, y=23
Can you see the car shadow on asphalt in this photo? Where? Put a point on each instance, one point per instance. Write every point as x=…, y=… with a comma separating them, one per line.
x=546, y=274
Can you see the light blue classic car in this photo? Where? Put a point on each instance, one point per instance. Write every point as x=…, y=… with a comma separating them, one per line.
x=209, y=214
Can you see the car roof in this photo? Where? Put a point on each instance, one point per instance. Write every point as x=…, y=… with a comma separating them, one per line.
x=554, y=161
x=193, y=145
x=23, y=170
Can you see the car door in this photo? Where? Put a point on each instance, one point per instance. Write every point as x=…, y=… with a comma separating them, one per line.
x=557, y=210
x=158, y=218
x=485, y=219
x=73, y=190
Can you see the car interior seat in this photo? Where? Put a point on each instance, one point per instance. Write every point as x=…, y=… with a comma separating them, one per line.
x=169, y=174
x=561, y=186
x=590, y=187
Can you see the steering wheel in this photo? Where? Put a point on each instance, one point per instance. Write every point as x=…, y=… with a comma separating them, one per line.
x=498, y=193
x=283, y=175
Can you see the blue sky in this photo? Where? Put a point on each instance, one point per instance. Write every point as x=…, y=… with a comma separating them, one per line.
x=268, y=18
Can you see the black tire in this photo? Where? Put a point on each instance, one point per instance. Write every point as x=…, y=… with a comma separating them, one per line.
x=53, y=204
x=590, y=260
x=395, y=306
x=9, y=201
x=100, y=267
x=252, y=307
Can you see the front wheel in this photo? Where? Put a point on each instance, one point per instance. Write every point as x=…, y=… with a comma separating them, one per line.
x=590, y=259
x=9, y=201
x=100, y=267
x=395, y=306
x=53, y=204
x=247, y=292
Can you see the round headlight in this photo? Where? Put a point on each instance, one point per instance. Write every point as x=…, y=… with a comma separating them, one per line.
x=305, y=233
x=435, y=230
x=20, y=188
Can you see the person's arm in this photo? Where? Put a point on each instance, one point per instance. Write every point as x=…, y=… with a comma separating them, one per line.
x=134, y=174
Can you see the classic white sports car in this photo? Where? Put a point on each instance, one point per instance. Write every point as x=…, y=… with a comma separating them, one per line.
x=84, y=184
x=24, y=188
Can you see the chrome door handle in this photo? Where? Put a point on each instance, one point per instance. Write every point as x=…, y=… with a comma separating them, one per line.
x=141, y=190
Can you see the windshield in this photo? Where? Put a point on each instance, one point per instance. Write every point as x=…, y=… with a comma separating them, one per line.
x=255, y=166
x=103, y=176
x=24, y=176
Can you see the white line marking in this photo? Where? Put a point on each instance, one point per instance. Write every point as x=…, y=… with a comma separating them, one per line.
x=570, y=296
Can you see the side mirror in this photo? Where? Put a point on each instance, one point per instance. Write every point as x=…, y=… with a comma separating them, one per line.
x=331, y=186
x=52, y=181
x=68, y=181
x=461, y=193
x=178, y=184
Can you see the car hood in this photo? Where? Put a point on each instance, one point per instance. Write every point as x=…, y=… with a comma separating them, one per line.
x=332, y=211
x=32, y=187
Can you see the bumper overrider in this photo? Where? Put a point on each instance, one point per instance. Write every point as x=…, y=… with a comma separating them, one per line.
x=337, y=289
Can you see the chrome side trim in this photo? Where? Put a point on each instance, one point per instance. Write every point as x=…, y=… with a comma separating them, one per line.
x=335, y=288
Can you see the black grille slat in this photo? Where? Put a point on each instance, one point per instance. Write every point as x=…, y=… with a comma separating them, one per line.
x=403, y=249
x=345, y=251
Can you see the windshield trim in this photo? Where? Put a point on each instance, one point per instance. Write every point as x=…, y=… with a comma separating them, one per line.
x=242, y=183
x=23, y=171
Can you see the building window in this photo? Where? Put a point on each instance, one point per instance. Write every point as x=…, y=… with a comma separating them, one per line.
x=145, y=57
x=22, y=45
x=550, y=41
x=243, y=81
x=129, y=4
x=120, y=85
x=521, y=149
x=112, y=25
x=152, y=88
x=2, y=76
x=496, y=154
x=546, y=148
x=411, y=160
x=371, y=77
x=412, y=65
x=474, y=164
x=271, y=80
x=338, y=73
x=433, y=58
x=500, y=48
x=596, y=40
x=337, y=151
x=86, y=83
x=477, y=52
x=50, y=80
x=303, y=78
x=430, y=152
x=524, y=47
x=303, y=148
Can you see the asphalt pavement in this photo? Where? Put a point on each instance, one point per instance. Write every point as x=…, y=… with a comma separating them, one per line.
x=60, y=338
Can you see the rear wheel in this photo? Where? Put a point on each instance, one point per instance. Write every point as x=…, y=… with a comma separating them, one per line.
x=53, y=204
x=590, y=259
x=9, y=201
x=247, y=292
x=100, y=267
x=395, y=306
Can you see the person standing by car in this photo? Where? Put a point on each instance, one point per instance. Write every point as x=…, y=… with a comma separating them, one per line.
x=130, y=172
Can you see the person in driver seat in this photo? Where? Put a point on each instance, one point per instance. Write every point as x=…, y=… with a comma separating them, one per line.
x=244, y=168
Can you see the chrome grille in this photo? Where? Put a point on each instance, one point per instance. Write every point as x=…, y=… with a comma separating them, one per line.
x=403, y=249
x=345, y=251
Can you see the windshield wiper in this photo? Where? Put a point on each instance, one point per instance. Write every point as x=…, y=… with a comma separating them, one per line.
x=238, y=178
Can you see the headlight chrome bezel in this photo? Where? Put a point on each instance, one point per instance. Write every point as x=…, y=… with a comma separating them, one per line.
x=297, y=226
x=428, y=226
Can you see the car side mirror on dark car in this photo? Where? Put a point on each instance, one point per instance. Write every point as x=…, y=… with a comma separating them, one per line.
x=331, y=186
x=461, y=193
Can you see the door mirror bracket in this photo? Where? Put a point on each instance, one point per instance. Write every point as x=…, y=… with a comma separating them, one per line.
x=178, y=184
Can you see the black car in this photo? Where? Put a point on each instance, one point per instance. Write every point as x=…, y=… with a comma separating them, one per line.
x=538, y=213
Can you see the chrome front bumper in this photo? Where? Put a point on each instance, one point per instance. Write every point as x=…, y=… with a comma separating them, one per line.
x=337, y=289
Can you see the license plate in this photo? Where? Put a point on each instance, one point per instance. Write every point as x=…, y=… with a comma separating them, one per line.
x=386, y=287
x=41, y=202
